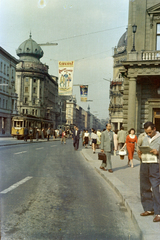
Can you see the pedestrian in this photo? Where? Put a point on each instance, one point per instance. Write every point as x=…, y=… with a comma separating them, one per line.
x=107, y=146
x=131, y=139
x=25, y=134
x=37, y=134
x=86, y=138
x=63, y=138
x=115, y=142
x=60, y=132
x=121, y=137
x=99, y=136
x=94, y=138
x=42, y=133
x=140, y=139
x=75, y=137
x=31, y=134
x=83, y=140
x=150, y=173
x=48, y=133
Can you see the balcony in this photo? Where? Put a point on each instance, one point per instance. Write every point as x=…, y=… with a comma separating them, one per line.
x=150, y=55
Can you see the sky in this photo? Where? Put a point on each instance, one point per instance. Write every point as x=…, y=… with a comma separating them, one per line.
x=86, y=32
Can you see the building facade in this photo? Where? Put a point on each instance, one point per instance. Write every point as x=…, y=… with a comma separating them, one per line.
x=37, y=90
x=141, y=69
x=8, y=96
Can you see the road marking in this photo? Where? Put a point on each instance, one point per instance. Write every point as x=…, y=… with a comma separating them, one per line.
x=54, y=146
x=16, y=185
x=39, y=148
x=20, y=152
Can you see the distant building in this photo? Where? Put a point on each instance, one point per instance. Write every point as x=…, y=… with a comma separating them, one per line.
x=8, y=96
x=37, y=90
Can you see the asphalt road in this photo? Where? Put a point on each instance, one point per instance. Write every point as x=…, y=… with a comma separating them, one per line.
x=61, y=196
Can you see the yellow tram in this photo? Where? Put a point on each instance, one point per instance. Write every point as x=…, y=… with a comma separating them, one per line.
x=20, y=122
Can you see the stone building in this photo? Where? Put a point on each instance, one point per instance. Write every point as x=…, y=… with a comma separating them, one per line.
x=37, y=90
x=116, y=85
x=8, y=97
x=141, y=70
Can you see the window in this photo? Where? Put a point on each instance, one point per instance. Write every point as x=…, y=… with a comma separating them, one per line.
x=27, y=79
x=25, y=100
x=26, y=111
x=32, y=111
x=36, y=112
x=158, y=37
x=3, y=103
x=4, y=68
x=23, y=111
x=26, y=89
x=0, y=102
x=34, y=80
x=34, y=90
x=33, y=100
x=0, y=84
x=7, y=71
x=6, y=104
x=1, y=66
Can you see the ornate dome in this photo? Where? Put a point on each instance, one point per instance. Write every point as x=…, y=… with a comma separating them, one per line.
x=122, y=44
x=29, y=49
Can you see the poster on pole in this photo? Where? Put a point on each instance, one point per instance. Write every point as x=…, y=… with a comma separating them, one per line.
x=65, y=80
x=84, y=93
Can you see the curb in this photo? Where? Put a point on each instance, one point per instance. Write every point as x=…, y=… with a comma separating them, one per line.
x=132, y=203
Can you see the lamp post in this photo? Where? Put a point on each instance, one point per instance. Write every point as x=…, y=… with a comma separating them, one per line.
x=134, y=29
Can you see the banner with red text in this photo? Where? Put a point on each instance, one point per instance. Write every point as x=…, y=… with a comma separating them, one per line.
x=84, y=93
x=65, y=80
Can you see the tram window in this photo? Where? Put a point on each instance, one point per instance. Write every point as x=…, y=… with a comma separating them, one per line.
x=14, y=123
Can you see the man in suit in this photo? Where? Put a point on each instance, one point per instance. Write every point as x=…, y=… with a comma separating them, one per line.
x=76, y=137
x=121, y=137
x=107, y=146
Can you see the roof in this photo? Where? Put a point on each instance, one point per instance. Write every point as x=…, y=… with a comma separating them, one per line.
x=30, y=48
x=122, y=44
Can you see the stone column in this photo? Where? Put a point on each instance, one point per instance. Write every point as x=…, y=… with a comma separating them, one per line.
x=118, y=126
x=38, y=91
x=30, y=90
x=132, y=103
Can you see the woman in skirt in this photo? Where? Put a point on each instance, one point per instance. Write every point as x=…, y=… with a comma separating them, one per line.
x=94, y=138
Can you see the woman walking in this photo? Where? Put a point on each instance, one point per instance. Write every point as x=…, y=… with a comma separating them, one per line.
x=86, y=138
x=131, y=139
x=94, y=138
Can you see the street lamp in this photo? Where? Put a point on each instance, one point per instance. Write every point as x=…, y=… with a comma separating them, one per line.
x=134, y=29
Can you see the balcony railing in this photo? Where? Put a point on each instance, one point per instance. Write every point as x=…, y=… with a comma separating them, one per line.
x=151, y=55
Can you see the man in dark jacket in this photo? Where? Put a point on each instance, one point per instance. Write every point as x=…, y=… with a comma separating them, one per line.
x=75, y=138
x=25, y=134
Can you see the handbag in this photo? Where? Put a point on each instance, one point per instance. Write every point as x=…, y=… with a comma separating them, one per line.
x=102, y=156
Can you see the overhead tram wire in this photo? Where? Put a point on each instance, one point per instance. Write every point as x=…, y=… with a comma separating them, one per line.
x=86, y=34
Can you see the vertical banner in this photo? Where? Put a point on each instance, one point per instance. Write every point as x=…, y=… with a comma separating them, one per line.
x=84, y=93
x=65, y=80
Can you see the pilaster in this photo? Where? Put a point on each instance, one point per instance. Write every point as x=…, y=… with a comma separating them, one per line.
x=132, y=103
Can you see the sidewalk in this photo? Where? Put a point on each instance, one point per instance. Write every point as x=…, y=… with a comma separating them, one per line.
x=13, y=141
x=125, y=181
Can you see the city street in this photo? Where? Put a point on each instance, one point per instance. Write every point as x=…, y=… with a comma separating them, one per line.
x=49, y=191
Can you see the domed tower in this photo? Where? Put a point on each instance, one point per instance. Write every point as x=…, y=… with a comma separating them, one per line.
x=36, y=89
x=116, y=86
x=29, y=51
